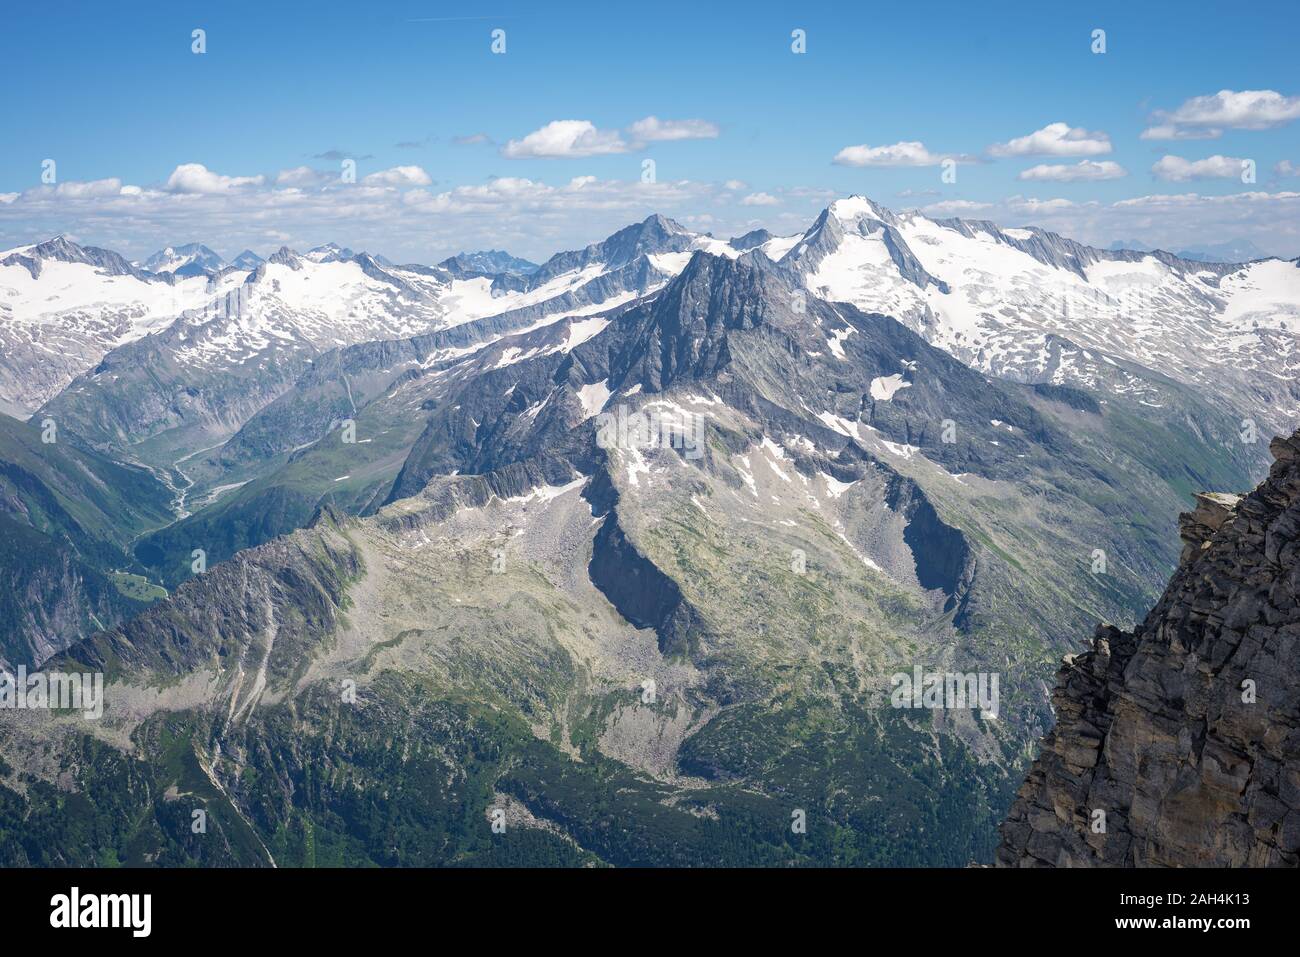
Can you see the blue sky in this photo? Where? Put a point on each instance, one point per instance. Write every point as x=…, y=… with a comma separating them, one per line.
x=747, y=131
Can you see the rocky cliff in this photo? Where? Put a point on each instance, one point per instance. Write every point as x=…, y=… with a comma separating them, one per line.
x=1178, y=744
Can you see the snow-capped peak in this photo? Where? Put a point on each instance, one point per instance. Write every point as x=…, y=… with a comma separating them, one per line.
x=330, y=252
x=1004, y=299
x=189, y=259
x=1001, y=299
x=487, y=262
x=855, y=207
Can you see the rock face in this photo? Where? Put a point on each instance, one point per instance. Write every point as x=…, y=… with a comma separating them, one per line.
x=1179, y=744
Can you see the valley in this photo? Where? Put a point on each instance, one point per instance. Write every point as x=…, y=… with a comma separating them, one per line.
x=428, y=577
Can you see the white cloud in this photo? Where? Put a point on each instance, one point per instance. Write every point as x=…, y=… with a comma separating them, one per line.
x=1205, y=117
x=735, y=184
x=303, y=176
x=98, y=187
x=197, y=178
x=1176, y=169
x=1168, y=131
x=1287, y=168
x=1185, y=200
x=760, y=199
x=1032, y=206
x=1170, y=221
x=910, y=153
x=563, y=139
x=533, y=218
x=1055, y=139
x=955, y=207
x=399, y=176
x=652, y=130
x=1084, y=170
x=411, y=223
x=579, y=138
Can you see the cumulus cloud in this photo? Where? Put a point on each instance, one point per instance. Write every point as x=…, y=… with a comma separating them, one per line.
x=653, y=130
x=562, y=139
x=1084, y=170
x=1176, y=169
x=1287, y=168
x=1205, y=117
x=565, y=139
x=197, y=178
x=910, y=153
x=760, y=199
x=1055, y=139
x=98, y=187
x=399, y=176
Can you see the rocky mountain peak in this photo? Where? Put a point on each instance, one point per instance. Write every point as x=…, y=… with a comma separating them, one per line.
x=860, y=217
x=488, y=262
x=62, y=249
x=1178, y=743
x=189, y=259
x=329, y=252
x=654, y=234
x=736, y=293
x=284, y=256
x=247, y=260
x=56, y=248
x=755, y=237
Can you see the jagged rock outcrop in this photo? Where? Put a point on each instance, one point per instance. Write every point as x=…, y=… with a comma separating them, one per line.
x=1178, y=744
x=1198, y=526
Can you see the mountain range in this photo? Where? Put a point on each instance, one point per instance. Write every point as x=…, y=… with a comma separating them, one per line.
x=192, y=259
x=886, y=442
x=1229, y=251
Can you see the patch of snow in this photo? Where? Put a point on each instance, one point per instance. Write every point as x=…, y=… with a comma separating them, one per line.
x=594, y=397
x=776, y=247
x=582, y=330
x=836, y=340
x=834, y=487
x=883, y=388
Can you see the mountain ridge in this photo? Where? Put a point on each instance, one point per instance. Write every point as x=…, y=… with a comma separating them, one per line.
x=1176, y=742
